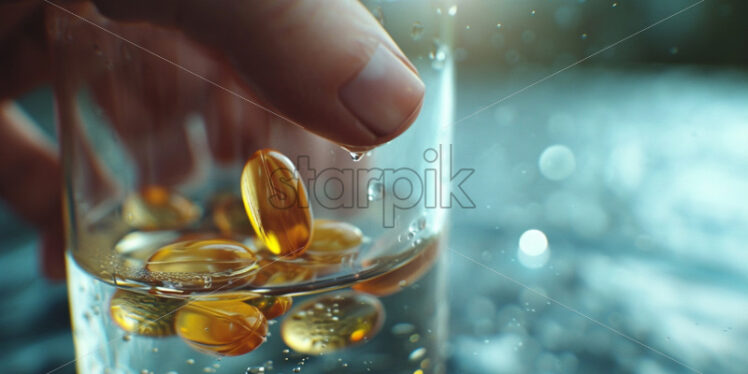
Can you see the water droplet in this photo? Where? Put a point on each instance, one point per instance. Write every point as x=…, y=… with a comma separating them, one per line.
x=498, y=26
x=452, y=10
x=439, y=11
x=583, y=36
x=532, y=12
x=190, y=361
x=416, y=31
x=614, y=5
x=297, y=369
x=357, y=156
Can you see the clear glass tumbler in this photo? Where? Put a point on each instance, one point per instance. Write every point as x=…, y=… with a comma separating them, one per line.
x=152, y=166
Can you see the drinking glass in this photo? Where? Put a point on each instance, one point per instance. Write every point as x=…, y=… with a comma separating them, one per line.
x=150, y=161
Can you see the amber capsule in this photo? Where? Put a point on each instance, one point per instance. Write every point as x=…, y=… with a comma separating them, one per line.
x=271, y=306
x=331, y=322
x=224, y=327
x=333, y=241
x=230, y=217
x=210, y=263
x=275, y=273
x=277, y=203
x=143, y=314
x=394, y=281
x=158, y=208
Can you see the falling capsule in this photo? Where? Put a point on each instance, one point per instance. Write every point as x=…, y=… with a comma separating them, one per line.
x=223, y=327
x=333, y=241
x=277, y=203
x=331, y=322
x=144, y=314
x=394, y=281
x=158, y=208
x=216, y=260
x=271, y=306
x=230, y=217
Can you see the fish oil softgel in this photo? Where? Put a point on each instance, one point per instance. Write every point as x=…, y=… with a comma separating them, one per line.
x=331, y=322
x=144, y=314
x=271, y=306
x=230, y=217
x=222, y=327
x=158, y=208
x=394, y=281
x=209, y=263
x=275, y=273
x=333, y=241
x=277, y=203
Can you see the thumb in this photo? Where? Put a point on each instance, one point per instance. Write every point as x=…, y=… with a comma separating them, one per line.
x=324, y=64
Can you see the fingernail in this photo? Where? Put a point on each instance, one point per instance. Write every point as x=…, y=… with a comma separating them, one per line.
x=384, y=95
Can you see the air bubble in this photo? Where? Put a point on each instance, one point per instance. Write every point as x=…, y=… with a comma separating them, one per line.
x=418, y=225
x=438, y=55
x=375, y=191
x=416, y=31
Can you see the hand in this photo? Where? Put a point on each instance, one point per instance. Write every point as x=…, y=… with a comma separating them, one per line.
x=326, y=65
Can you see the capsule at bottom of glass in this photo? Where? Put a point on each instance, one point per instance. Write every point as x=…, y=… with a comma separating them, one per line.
x=222, y=327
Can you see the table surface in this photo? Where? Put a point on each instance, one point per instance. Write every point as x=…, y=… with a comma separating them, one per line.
x=646, y=266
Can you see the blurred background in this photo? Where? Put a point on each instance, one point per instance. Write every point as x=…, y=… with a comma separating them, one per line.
x=609, y=232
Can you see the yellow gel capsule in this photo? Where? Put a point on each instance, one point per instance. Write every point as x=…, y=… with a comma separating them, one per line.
x=332, y=322
x=143, y=314
x=271, y=306
x=230, y=217
x=274, y=273
x=158, y=208
x=210, y=263
x=394, y=281
x=333, y=241
x=224, y=327
x=277, y=203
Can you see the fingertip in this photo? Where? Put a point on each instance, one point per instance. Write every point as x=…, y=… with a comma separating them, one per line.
x=385, y=95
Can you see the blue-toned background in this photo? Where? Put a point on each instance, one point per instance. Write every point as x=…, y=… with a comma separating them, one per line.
x=633, y=165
